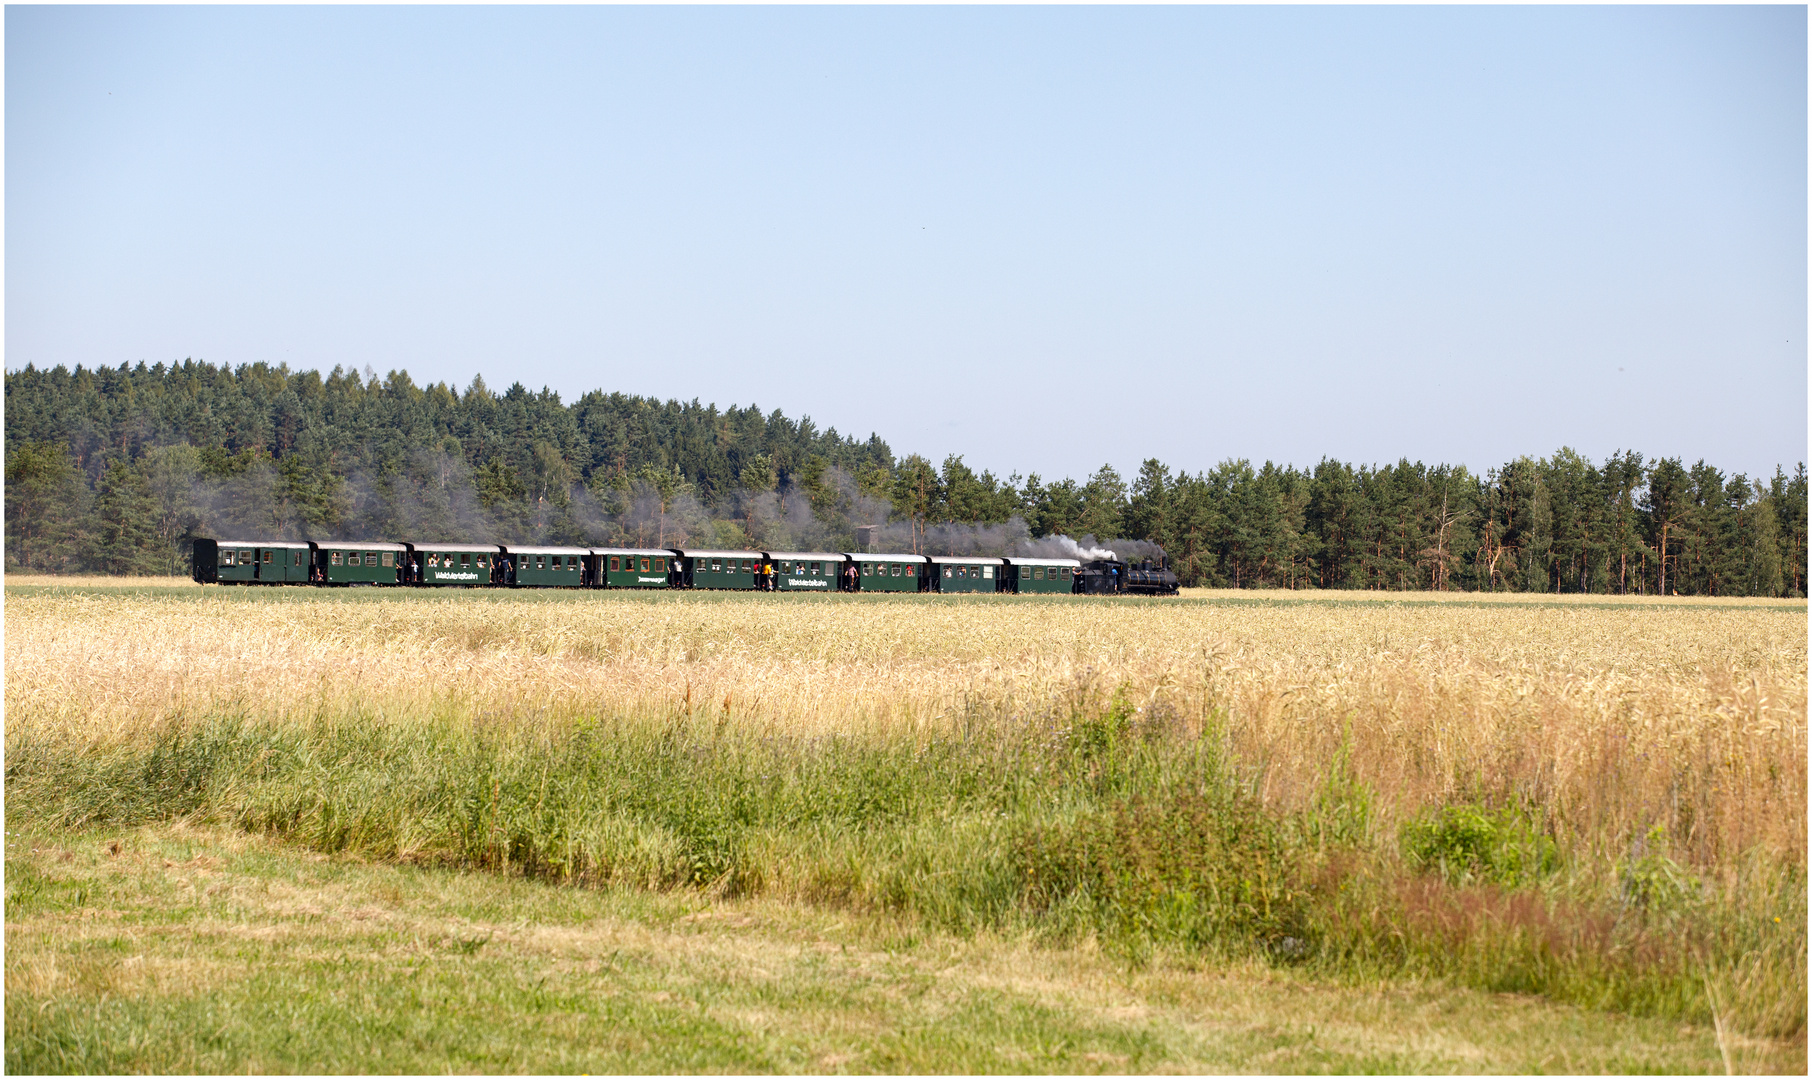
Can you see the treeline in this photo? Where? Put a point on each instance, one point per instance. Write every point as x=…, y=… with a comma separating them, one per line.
x=116, y=469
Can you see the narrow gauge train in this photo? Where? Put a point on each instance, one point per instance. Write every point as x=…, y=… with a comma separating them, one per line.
x=366, y=562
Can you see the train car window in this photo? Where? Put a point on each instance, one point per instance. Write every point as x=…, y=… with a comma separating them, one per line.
x=816, y=568
x=267, y=556
x=1037, y=573
x=226, y=558
x=1066, y=571
x=479, y=562
x=616, y=562
x=644, y=564
x=298, y=558
x=385, y=560
x=896, y=570
x=987, y=571
x=660, y=565
x=333, y=558
x=947, y=571
x=371, y=558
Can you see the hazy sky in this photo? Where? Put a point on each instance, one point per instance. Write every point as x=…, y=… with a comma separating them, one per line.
x=1044, y=238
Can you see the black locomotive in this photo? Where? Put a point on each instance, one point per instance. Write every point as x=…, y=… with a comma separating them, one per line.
x=1115, y=577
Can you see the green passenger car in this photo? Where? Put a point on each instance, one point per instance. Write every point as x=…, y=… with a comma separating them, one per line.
x=633, y=568
x=247, y=562
x=546, y=567
x=361, y=562
x=888, y=573
x=966, y=573
x=451, y=564
x=807, y=571
x=1043, y=575
x=721, y=569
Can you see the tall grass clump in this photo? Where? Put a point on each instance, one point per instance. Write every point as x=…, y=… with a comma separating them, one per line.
x=1606, y=806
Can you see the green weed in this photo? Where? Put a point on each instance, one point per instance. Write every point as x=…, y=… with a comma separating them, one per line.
x=1110, y=822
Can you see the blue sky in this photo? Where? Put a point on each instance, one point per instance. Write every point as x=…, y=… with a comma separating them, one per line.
x=1043, y=238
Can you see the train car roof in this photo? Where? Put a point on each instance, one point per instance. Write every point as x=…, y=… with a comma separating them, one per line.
x=362, y=545
x=875, y=556
x=454, y=547
x=967, y=559
x=1044, y=562
x=633, y=551
x=703, y=553
x=821, y=556
x=262, y=543
x=511, y=549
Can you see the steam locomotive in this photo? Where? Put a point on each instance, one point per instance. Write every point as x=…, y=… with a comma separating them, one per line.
x=1142, y=578
x=443, y=565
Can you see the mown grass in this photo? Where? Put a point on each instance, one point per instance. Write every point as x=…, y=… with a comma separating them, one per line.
x=173, y=949
x=1602, y=807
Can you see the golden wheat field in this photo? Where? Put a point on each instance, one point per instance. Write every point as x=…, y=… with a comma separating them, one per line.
x=1613, y=718
x=1597, y=803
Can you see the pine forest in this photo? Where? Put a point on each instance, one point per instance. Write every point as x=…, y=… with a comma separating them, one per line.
x=116, y=470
